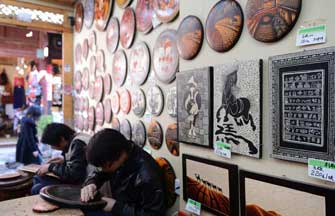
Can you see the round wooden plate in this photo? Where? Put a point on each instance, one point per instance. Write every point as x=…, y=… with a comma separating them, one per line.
x=127, y=27
x=116, y=124
x=100, y=114
x=107, y=84
x=165, y=56
x=11, y=175
x=113, y=35
x=85, y=78
x=123, y=3
x=144, y=11
x=125, y=129
x=155, y=100
x=86, y=124
x=155, y=134
x=224, y=25
x=115, y=102
x=108, y=110
x=80, y=122
x=77, y=104
x=92, y=41
x=89, y=13
x=171, y=102
x=79, y=17
x=91, y=118
x=86, y=105
x=102, y=11
x=190, y=35
x=139, y=63
x=125, y=101
x=85, y=49
x=91, y=89
x=78, y=53
x=77, y=81
x=98, y=88
x=100, y=58
x=119, y=68
x=270, y=21
x=139, y=134
x=93, y=66
x=138, y=102
x=171, y=139
x=166, y=10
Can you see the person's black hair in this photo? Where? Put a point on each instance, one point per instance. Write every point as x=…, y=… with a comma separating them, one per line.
x=106, y=146
x=32, y=64
x=3, y=77
x=34, y=112
x=53, y=133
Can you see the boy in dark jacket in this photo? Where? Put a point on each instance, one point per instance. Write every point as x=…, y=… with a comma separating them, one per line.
x=71, y=167
x=134, y=176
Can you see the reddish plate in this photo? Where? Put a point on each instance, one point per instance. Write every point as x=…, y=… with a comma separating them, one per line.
x=85, y=49
x=100, y=114
x=89, y=13
x=78, y=53
x=11, y=175
x=166, y=10
x=119, y=68
x=139, y=63
x=155, y=134
x=107, y=84
x=85, y=78
x=127, y=27
x=165, y=56
x=93, y=66
x=100, y=58
x=125, y=101
x=91, y=118
x=138, y=102
x=116, y=124
x=190, y=35
x=79, y=17
x=102, y=11
x=171, y=139
x=113, y=35
x=123, y=3
x=98, y=88
x=125, y=129
x=155, y=100
x=77, y=81
x=144, y=11
x=138, y=134
x=171, y=102
x=224, y=25
x=92, y=41
x=115, y=102
x=108, y=110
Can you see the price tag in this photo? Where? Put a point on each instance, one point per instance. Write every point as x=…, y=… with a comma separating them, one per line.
x=311, y=35
x=193, y=206
x=222, y=149
x=321, y=169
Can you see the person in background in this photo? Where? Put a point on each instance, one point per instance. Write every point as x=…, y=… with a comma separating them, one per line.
x=134, y=176
x=72, y=166
x=7, y=93
x=34, y=93
x=27, y=150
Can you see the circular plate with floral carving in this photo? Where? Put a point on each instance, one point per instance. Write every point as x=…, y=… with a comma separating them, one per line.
x=125, y=101
x=113, y=34
x=171, y=102
x=171, y=139
x=108, y=110
x=115, y=102
x=98, y=88
x=123, y=3
x=100, y=114
x=89, y=13
x=92, y=41
x=125, y=129
x=86, y=124
x=224, y=25
x=138, y=102
x=127, y=27
x=100, y=58
x=119, y=68
x=165, y=56
x=144, y=11
x=155, y=134
x=190, y=35
x=102, y=11
x=82, y=104
x=78, y=53
x=116, y=124
x=107, y=84
x=77, y=104
x=139, y=63
x=85, y=78
x=91, y=89
x=86, y=104
x=139, y=134
x=79, y=17
x=77, y=82
x=80, y=122
x=92, y=65
x=85, y=48
x=269, y=21
x=166, y=10
x=155, y=100
x=91, y=118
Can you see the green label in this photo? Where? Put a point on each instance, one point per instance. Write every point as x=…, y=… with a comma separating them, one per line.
x=321, y=163
x=223, y=145
x=195, y=203
x=319, y=28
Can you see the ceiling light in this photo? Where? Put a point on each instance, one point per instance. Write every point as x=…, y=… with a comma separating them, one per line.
x=29, y=34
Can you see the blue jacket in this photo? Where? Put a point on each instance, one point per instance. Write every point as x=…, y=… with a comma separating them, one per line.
x=27, y=142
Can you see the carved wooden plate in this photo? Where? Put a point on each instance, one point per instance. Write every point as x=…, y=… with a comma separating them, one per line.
x=190, y=35
x=115, y=102
x=86, y=124
x=144, y=11
x=123, y=3
x=92, y=41
x=155, y=134
x=78, y=53
x=91, y=89
x=85, y=78
x=89, y=13
x=85, y=105
x=165, y=56
x=93, y=66
x=80, y=124
x=85, y=49
x=138, y=102
x=139, y=63
x=139, y=134
x=77, y=81
x=270, y=21
x=171, y=139
x=113, y=34
x=98, y=88
x=116, y=124
x=91, y=118
x=108, y=110
x=100, y=114
x=82, y=104
x=224, y=25
x=79, y=17
x=127, y=27
x=125, y=101
x=77, y=104
x=171, y=102
x=100, y=58
x=11, y=175
x=166, y=10
x=155, y=100
x=107, y=84
x=102, y=11
x=125, y=129
x=119, y=68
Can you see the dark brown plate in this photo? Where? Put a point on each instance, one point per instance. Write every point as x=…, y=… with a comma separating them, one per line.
x=224, y=25
x=139, y=134
x=190, y=35
x=125, y=129
x=171, y=139
x=166, y=10
x=69, y=196
x=125, y=101
x=100, y=114
x=127, y=27
x=89, y=13
x=98, y=88
x=123, y=3
x=7, y=182
x=115, y=102
x=119, y=68
x=91, y=118
x=11, y=175
x=79, y=17
x=144, y=11
x=102, y=11
x=270, y=21
x=139, y=63
x=113, y=34
x=155, y=134
x=108, y=110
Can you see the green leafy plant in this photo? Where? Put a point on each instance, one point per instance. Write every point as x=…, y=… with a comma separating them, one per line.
x=43, y=122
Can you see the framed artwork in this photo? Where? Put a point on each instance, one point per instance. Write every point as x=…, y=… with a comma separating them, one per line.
x=138, y=103
x=155, y=135
x=85, y=49
x=269, y=21
x=211, y=183
x=92, y=41
x=89, y=13
x=171, y=101
x=190, y=35
x=139, y=63
x=108, y=110
x=238, y=106
x=125, y=101
x=107, y=84
x=113, y=34
x=303, y=105
x=78, y=53
x=224, y=25
x=139, y=134
x=171, y=139
x=98, y=88
x=116, y=124
x=166, y=10
x=266, y=195
x=194, y=96
x=119, y=73
x=115, y=102
x=79, y=17
x=100, y=114
x=123, y=3
x=155, y=100
x=85, y=78
x=125, y=129
x=143, y=12
x=100, y=60
x=102, y=11
x=165, y=56
x=127, y=28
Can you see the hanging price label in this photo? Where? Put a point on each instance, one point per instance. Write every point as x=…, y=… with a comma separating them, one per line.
x=311, y=35
x=321, y=169
x=193, y=206
x=222, y=149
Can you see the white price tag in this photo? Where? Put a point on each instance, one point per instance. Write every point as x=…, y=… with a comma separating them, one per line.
x=321, y=169
x=222, y=149
x=311, y=35
x=193, y=206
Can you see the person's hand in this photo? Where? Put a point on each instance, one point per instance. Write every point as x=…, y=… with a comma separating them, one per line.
x=88, y=192
x=35, y=153
x=110, y=204
x=55, y=160
x=44, y=169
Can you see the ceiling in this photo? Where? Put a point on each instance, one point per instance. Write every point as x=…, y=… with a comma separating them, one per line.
x=62, y=2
